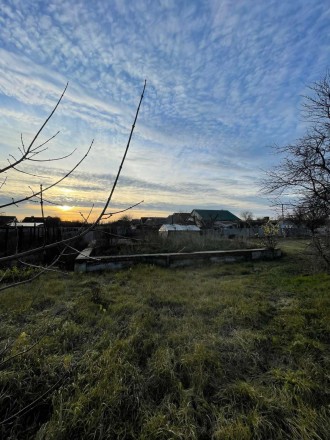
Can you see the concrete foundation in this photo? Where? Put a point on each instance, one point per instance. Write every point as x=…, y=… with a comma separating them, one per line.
x=87, y=263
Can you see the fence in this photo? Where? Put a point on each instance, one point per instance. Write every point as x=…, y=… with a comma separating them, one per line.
x=247, y=233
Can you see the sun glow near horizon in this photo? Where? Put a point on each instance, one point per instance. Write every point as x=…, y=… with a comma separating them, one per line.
x=65, y=208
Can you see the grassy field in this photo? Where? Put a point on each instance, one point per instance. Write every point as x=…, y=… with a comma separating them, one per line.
x=237, y=351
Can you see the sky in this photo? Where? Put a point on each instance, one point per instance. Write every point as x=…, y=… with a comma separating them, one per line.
x=225, y=83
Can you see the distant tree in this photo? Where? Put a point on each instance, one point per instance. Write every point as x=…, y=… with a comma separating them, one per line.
x=309, y=215
x=247, y=216
x=126, y=219
x=122, y=225
x=305, y=170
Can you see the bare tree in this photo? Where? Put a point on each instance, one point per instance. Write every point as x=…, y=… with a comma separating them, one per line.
x=247, y=216
x=31, y=153
x=305, y=170
x=309, y=214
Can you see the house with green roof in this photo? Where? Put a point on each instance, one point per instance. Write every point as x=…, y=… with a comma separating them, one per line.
x=214, y=218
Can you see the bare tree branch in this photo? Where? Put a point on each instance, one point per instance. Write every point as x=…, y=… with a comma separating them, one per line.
x=110, y=214
x=48, y=268
x=32, y=404
x=37, y=275
x=87, y=218
x=21, y=352
x=29, y=174
x=29, y=148
x=40, y=194
x=3, y=182
x=15, y=202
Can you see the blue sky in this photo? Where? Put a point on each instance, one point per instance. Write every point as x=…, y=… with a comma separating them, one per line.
x=225, y=80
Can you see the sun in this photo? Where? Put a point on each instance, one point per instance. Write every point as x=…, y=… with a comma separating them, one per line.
x=65, y=208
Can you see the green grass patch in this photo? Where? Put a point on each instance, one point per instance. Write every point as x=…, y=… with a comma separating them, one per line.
x=237, y=351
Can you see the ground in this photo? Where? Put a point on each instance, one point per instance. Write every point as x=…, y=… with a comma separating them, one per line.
x=236, y=351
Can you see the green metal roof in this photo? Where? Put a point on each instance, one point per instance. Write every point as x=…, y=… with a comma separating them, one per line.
x=216, y=215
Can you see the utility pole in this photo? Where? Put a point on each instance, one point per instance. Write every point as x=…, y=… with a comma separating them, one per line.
x=282, y=207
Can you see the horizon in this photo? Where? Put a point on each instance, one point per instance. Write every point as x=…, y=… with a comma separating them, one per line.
x=120, y=216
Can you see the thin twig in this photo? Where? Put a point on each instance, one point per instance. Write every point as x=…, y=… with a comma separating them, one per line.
x=7, y=345
x=118, y=236
x=29, y=148
x=15, y=202
x=110, y=214
x=53, y=159
x=43, y=215
x=43, y=270
x=46, y=142
x=86, y=218
x=4, y=274
x=22, y=142
x=21, y=352
x=32, y=404
x=82, y=253
x=29, y=174
x=48, y=269
x=3, y=182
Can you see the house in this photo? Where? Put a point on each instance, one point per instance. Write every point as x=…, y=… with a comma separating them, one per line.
x=33, y=219
x=214, y=219
x=286, y=224
x=178, y=230
x=153, y=221
x=152, y=224
x=179, y=218
x=49, y=221
x=5, y=220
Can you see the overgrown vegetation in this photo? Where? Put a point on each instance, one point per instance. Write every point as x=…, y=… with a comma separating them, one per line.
x=153, y=243
x=270, y=236
x=236, y=351
x=14, y=274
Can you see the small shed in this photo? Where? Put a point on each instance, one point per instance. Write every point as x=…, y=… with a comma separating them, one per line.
x=25, y=225
x=178, y=230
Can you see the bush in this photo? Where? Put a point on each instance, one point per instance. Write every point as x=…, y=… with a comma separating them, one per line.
x=270, y=235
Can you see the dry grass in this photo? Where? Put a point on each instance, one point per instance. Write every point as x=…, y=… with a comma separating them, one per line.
x=153, y=243
x=236, y=351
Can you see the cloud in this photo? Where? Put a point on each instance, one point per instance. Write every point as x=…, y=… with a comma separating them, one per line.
x=224, y=82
